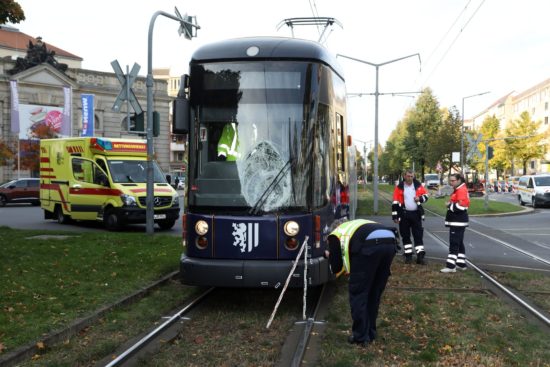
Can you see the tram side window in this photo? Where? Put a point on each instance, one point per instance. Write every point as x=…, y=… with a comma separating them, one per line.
x=340, y=143
x=321, y=154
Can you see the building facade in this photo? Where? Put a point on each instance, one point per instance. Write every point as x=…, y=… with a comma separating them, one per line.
x=44, y=86
x=536, y=101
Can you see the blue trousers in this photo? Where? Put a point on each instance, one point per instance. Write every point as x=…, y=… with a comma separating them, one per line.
x=369, y=273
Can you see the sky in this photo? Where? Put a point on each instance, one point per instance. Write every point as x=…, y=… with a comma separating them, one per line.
x=466, y=47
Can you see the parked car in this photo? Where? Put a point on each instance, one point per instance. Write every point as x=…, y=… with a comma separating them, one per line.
x=534, y=189
x=23, y=190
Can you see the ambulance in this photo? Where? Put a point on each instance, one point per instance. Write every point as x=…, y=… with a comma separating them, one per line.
x=102, y=179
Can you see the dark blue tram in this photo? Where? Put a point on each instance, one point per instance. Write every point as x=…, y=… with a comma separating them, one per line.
x=268, y=161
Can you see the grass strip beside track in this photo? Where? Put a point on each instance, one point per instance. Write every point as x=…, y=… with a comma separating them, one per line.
x=48, y=282
x=431, y=326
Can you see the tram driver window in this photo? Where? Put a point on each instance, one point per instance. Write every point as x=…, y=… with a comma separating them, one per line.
x=219, y=141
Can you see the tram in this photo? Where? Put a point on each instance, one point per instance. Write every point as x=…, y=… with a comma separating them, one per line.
x=268, y=161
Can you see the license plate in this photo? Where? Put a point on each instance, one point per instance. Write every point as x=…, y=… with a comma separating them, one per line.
x=159, y=216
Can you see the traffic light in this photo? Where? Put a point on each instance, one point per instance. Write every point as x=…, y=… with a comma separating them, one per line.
x=490, y=153
x=156, y=124
x=137, y=122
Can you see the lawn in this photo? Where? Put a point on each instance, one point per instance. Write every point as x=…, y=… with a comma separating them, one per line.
x=46, y=282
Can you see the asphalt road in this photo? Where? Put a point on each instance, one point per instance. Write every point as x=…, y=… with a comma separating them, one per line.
x=496, y=242
x=26, y=216
x=491, y=242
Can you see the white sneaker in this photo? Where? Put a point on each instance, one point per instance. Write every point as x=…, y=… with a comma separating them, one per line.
x=448, y=270
x=462, y=268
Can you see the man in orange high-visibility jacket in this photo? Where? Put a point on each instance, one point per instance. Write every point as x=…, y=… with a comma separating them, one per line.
x=365, y=250
x=408, y=212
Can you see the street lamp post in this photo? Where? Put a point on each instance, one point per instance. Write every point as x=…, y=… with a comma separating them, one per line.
x=376, y=94
x=186, y=26
x=462, y=130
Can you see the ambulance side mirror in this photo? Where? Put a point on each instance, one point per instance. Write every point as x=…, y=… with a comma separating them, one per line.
x=180, y=108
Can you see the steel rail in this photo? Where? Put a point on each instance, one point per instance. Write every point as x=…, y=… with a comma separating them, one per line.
x=308, y=328
x=503, y=243
x=497, y=284
x=492, y=280
x=147, y=339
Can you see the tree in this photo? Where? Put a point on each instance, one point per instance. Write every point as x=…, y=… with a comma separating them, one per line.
x=446, y=139
x=6, y=153
x=29, y=155
x=489, y=129
x=422, y=125
x=524, y=141
x=11, y=11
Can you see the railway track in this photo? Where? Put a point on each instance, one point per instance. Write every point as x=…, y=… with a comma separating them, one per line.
x=152, y=341
x=301, y=345
x=501, y=290
x=303, y=342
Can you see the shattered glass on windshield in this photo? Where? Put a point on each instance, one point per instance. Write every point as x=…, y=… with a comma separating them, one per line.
x=263, y=172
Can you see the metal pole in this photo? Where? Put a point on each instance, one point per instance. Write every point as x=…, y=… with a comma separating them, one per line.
x=376, y=94
x=486, y=203
x=462, y=130
x=366, y=172
x=128, y=99
x=150, y=191
x=375, y=171
x=462, y=140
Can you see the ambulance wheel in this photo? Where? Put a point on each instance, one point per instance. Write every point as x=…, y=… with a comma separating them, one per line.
x=534, y=202
x=61, y=218
x=166, y=224
x=111, y=220
x=521, y=202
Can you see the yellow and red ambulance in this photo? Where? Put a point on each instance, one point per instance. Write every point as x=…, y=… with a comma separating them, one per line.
x=102, y=179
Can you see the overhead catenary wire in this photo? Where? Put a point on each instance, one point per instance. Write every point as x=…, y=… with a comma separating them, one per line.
x=452, y=43
x=447, y=33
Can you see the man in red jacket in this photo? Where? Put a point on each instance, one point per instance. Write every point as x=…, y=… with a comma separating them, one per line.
x=457, y=221
x=408, y=212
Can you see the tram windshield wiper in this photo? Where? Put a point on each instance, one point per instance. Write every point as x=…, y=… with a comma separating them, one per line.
x=269, y=189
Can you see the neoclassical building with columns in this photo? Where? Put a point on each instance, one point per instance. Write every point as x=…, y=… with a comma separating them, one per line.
x=43, y=84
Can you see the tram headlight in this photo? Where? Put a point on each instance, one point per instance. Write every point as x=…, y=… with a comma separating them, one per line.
x=291, y=228
x=201, y=227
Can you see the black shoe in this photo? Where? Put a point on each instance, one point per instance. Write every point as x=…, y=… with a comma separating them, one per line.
x=352, y=340
x=420, y=259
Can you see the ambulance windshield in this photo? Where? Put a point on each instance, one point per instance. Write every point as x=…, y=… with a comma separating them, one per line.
x=130, y=171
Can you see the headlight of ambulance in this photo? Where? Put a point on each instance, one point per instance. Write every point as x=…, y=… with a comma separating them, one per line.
x=128, y=200
x=201, y=227
x=291, y=228
x=175, y=200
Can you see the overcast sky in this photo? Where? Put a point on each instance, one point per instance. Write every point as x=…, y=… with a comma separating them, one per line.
x=466, y=46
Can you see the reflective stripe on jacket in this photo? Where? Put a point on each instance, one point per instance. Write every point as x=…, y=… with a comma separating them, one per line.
x=398, y=204
x=457, y=210
x=344, y=232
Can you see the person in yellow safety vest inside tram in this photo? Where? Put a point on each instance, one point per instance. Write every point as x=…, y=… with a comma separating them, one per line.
x=365, y=250
x=228, y=145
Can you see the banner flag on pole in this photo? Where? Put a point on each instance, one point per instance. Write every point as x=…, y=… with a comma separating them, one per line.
x=66, y=126
x=14, y=107
x=87, y=114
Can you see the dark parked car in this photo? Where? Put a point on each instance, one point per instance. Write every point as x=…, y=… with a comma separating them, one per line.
x=23, y=190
